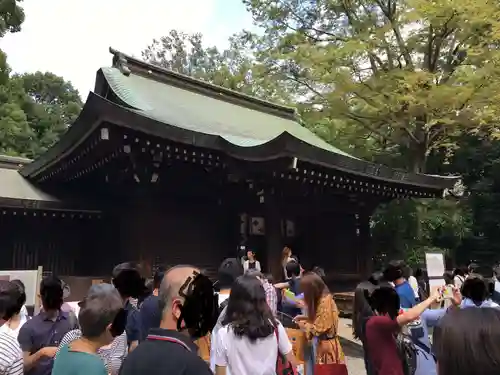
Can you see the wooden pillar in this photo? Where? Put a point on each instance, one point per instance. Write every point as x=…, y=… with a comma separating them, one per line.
x=274, y=236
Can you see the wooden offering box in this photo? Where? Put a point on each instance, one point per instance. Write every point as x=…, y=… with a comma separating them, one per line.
x=345, y=302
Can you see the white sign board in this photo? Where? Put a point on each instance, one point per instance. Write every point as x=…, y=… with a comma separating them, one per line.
x=436, y=283
x=31, y=280
x=435, y=264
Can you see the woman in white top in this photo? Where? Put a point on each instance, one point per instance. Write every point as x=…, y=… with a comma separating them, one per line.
x=459, y=276
x=13, y=298
x=251, y=263
x=287, y=257
x=250, y=338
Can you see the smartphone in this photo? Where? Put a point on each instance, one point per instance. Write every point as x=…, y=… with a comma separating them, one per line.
x=447, y=291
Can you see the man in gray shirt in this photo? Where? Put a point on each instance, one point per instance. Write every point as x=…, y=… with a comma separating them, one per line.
x=40, y=336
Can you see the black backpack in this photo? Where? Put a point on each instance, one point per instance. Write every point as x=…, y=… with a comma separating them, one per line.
x=407, y=353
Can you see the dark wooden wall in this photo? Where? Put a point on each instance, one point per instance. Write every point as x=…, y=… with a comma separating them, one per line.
x=62, y=243
x=328, y=240
x=170, y=233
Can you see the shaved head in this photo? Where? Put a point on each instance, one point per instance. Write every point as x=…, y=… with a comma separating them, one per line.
x=176, y=280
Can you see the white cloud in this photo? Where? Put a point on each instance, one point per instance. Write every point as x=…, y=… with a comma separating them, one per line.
x=71, y=37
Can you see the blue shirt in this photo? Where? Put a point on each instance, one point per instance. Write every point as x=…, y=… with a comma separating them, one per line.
x=78, y=363
x=406, y=295
x=150, y=315
x=419, y=332
x=133, y=327
x=41, y=331
x=467, y=303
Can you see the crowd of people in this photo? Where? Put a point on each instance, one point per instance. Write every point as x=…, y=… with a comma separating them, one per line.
x=393, y=320
x=130, y=327
x=133, y=327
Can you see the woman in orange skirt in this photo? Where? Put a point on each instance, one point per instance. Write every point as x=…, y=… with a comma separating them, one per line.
x=321, y=323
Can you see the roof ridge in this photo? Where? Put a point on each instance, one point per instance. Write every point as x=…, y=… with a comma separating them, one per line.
x=13, y=162
x=125, y=62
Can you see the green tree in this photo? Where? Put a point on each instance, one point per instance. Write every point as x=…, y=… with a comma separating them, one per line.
x=35, y=109
x=410, y=73
x=51, y=104
x=477, y=159
x=407, y=229
x=15, y=132
x=234, y=68
x=11, y=16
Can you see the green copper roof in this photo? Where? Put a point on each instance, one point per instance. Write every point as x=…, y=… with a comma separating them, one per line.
x=184, y=108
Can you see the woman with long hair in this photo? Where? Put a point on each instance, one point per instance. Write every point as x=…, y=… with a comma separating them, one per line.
x=250, y=339
x=321, y=322
x=382, y=327
x=287, y=257
x=362, y=311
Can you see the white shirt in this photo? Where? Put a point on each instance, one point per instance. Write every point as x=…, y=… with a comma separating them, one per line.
x=414, y=285
x=246, y=266
x=24, y=312
x=11, y=356
x=243, y=357
x=213, y=338
x=13, y=332
x=458, y=281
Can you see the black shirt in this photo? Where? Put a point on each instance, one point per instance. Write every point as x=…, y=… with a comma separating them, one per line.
x=156, y=355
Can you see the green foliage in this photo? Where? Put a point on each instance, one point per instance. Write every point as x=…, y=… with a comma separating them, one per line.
x=406, y=229
x=35, y=109
x=51, y=104
x=11, y=16
x=234, y=68
x=478, y=161
x=410, y=73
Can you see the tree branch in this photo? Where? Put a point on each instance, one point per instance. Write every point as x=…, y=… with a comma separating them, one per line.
x=310, y=27
x=438, y=42
x=389, y=13
x=363, y=122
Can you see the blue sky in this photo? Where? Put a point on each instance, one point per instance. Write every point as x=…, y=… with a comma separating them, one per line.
x=71, y=37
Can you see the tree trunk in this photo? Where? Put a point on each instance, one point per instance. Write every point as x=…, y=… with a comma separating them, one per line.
x=418, y=159
x=418, y=150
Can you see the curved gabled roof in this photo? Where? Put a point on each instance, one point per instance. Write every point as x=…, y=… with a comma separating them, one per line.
x=163, y=103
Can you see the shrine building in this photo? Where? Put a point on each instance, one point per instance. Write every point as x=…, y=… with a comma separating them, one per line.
x=164, y=168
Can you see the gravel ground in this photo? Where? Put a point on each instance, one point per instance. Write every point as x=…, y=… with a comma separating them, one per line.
x=352, y=349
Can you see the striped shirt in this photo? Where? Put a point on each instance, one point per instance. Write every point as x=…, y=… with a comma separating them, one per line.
x=271, y=296
x=11, y=356
x=112, y=355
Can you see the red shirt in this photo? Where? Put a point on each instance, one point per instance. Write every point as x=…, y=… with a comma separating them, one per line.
x=381, y=345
